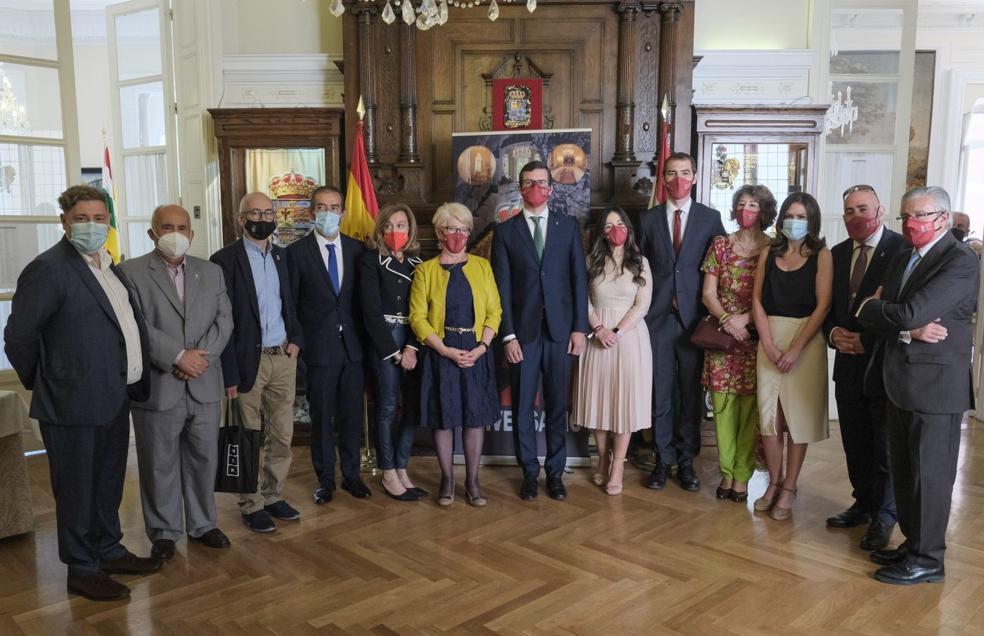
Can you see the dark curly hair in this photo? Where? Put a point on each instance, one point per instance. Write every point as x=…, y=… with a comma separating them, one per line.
x=767, y=203
x=813, y=241
x=77, y=193
x=601, y=251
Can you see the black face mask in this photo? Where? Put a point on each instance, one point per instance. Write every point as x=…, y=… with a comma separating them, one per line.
x=959, y=233
x=260, y=229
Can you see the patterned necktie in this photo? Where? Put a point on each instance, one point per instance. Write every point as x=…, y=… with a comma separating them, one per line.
x=677, y=231
x=857, y=274
x=537, y=236
x=913, y=260
x=333, y=267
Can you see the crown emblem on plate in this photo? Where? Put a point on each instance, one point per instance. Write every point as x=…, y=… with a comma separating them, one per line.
x=292, y=185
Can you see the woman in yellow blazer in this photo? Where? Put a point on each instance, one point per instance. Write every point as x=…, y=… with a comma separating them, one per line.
x=455, y=312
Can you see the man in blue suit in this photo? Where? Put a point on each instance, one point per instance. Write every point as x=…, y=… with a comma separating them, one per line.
x=77, y=339
x=539, y=267
x=674, y=237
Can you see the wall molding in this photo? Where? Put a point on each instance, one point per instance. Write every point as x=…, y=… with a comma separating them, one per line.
x=776, y=77
x=284, y=80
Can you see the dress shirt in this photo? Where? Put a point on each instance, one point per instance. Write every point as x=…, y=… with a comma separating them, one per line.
x=671, y=208
x=177, y=275
x=323, y=246
x=531, y=224
x=119, y=300
x=266, y=280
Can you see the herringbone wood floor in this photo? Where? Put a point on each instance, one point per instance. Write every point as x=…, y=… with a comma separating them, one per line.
x=643, y=563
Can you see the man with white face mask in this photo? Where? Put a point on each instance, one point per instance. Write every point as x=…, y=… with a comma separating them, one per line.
x=190, y=320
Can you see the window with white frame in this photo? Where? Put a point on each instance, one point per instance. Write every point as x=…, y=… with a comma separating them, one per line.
x=971, y=200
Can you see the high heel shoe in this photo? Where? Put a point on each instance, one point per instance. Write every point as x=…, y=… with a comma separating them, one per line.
x=615, y=487
x=478, y=501
x=778, y=512
x=764, y=503
x=406, y=495
x=599, y=477
x=446, y=500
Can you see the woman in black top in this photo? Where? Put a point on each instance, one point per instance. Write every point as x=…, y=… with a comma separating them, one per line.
x=789, y=302
x=387, y=273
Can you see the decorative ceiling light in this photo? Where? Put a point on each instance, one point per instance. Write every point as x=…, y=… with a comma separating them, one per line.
x=429, y=13
x=13, y=116
x=841, y=113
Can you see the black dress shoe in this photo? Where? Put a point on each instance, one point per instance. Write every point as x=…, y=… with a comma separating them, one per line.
x=723, y=493
x=283, y=511
x=324, y=494
x=555, y=488
x=688, y=478
x=909, y=573
x=876, y=537
x=214, y=538
x=357, y=488
x=130, y=563
x=97, y=587
x=530, y=488
x=849, y=518
x=420, y=492
x=657, y=478
x=259, y=521
x=162, y=550
x=889, y=556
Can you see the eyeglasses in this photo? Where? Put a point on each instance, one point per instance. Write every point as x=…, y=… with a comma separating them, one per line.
x=859, y=188
x=321, y=207
x=457, y=230
x=921, y=216
x=256, y=215
x=543, y=183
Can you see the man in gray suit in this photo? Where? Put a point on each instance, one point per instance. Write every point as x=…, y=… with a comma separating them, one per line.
x=189, y=319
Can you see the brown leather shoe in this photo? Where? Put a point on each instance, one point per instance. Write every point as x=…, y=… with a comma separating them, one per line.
x=130, y=563
x=97, y=587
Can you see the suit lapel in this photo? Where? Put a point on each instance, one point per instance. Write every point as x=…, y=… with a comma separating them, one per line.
x=246, y=272
x=663, y=231
x=927, y=266
x=842, y=273
x=690, y=233
x=553, y=238
x=160, y=276
x=82, y=267
x=192, y=279
x=521, y=227
x=875, y=274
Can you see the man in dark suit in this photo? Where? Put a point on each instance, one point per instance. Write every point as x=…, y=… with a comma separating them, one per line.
x=259, y=365
x=860, y=264
x=77, y=340
x=539, y=267
x=924, y=314
x=675, y=237
x=324, y=271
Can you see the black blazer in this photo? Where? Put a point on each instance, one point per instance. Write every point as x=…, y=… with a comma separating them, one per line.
x=923, y=377
x=384, y=289
x=66, y=345
x=673, y=275
x=851, y=368
x=241, y=356
x=555, y=290
x=320, y=311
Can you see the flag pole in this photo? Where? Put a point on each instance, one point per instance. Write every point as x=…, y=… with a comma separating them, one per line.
x=367, y=454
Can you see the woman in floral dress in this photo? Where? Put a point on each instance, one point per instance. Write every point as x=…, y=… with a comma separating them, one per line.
x=729, y=276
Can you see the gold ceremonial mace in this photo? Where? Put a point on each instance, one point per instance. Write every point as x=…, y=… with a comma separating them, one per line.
x=367, y=454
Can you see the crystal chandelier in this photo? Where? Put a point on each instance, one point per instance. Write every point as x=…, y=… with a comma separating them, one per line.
x=841, y=113
x=429, y=13
x=13, y=117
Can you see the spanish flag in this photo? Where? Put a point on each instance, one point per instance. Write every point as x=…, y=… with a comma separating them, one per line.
x=113, y=240
x=360, y=196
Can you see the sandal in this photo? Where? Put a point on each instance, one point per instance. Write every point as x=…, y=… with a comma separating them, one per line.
x=764, y=503
x=614, y=488
x=778, y=512
x=599, y=477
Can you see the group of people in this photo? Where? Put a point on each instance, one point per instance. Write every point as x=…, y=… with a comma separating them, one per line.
x=168, y=336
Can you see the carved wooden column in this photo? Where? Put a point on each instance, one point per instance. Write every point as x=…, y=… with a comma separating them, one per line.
x=408, y=94
x=366, y=12
x=668, y=36
x=625, y=107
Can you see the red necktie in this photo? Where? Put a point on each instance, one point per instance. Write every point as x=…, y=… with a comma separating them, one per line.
x=677, y=234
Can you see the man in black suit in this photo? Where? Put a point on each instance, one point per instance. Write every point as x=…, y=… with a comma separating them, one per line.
x=324, y=271
x=259, y=365
x=675, y=237
x=539, y=267
x=77, y=339
x=860, y=264
x=924, y=314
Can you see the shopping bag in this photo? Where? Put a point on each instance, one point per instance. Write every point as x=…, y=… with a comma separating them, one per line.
x=239, y=453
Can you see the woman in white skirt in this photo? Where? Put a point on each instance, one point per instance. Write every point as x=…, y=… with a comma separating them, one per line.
x=615, y=373
x=790, y=301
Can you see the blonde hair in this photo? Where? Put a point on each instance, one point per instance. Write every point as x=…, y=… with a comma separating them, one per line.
x=452, y=211
x=387, y=211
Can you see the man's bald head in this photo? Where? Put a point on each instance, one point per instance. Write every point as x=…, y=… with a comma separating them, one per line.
x=254, y=201
x=961, y=220
x=169, y=218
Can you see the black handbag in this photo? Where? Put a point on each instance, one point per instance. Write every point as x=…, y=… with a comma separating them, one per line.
x=239, y=453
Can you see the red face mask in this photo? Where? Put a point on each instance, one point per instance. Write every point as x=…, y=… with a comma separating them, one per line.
x=919, y=233
x=679, y=188
x=396, y=241
x=860, y=228
x=535, y=195
x=617, y=234
x=455, y=243
x=747, y=218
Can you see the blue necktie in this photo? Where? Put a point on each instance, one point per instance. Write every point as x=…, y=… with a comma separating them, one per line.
x=908, y=268
x=333, y=267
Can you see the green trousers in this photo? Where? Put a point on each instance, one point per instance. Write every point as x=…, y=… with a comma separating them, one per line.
x=736, y=420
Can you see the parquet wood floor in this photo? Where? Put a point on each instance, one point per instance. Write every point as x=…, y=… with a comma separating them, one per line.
x=667, y=562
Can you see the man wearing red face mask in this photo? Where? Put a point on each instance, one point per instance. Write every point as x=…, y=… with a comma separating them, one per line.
x=924, y=313
x=539, y=267
x=860, y=263
x=674, y=237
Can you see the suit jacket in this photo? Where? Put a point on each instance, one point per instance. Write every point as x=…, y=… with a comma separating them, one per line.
x=531, y=291
x=241, y=357
x=202, y=321
x=66, y=345
x=678, y=276
x=851, y=368
x=320, y=311
x=923, y=377
x=384, y=290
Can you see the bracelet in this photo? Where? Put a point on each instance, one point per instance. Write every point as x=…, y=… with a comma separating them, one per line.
x=484, y=345
x=723, y=318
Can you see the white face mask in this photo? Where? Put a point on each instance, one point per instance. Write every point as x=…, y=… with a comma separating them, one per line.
x=173, y=244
